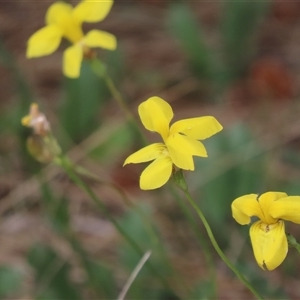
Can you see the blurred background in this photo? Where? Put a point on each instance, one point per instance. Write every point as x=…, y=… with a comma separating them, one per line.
x=236, y=60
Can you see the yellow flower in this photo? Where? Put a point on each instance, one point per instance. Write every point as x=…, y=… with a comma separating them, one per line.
x=62, y=20
x=180, y=142
x=267, y=235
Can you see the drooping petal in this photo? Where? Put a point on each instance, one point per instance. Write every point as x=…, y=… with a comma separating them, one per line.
x=269, y=244
x=92, y=10
x=156, y=174
x=145, y=154
x=287, y=209
x=182, y=149
x=102, y=39
x=266, y=200
x=44, y=42
x=156, y=114
x=198, y=128
x=244, y=207
x=72, y=61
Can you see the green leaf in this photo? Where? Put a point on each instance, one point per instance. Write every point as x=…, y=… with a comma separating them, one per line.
x=102, y=279
x=56, y=209
x=241, y=20
x=114, y=145
x=187, y=31
x=84, y=98
x=51, y=274
x=10, y=281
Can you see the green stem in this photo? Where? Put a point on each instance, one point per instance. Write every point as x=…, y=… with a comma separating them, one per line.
x=67, y=165
x=156, y=241
x=202, y=241
x=100, y=70
x=218, y=249
x=293, y=242
x=181, y=183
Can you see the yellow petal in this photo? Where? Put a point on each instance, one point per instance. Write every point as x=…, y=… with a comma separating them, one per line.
x=57, y=12
x=60, y=14
x=287, y=209
x=44, y=42
x=102, y=39
x=182, y=149
x=244, y=207
x=198, y=128
x=26, y=121
x=156, y=174
x=145, y=154
x=266, y=200
x=269, y=244
x=156, y=114
x=72, y=61
x=92, y=10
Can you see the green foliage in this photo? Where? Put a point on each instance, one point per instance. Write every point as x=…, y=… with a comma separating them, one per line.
x=187, y=31
x=101, y=279
x=10, y=118
x=85, y=97
x=241, y=19
x=57, y=210
x=118, y=140
x=141, y=226
x=10, y=281
x=82, y=103
x=52, y=274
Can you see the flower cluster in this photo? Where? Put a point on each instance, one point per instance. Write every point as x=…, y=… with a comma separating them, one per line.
x=267, y=235
x=65, y=21
x=180, y=142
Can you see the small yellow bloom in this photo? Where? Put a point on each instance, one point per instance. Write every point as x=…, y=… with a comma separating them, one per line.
x=65, y=21
x=267, y=235
x=180, y=142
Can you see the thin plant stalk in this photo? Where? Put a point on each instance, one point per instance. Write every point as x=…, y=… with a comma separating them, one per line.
x=183, y=186
x=100, y=70
x=156, y=241
x=293, y=242
x=65, y=163
x=134, y=275
x=202, y=241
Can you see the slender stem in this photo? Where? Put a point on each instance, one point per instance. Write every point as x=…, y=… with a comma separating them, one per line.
x=156, y=241
x=65, y=163
x=133, y=275
x=218, y=249
x=202, y=241
x=293, y=242
x=100, y=70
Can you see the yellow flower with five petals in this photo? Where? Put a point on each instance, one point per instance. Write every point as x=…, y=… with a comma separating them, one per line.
x=180, y=142
x=62, y=20
x=267, y=235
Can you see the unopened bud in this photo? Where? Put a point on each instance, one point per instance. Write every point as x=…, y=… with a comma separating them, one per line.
x=43, y=148
x=36, y=120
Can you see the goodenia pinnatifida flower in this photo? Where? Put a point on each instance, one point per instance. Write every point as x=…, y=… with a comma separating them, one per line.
x=180, y=142
x=267, y=235
x=65, y=21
